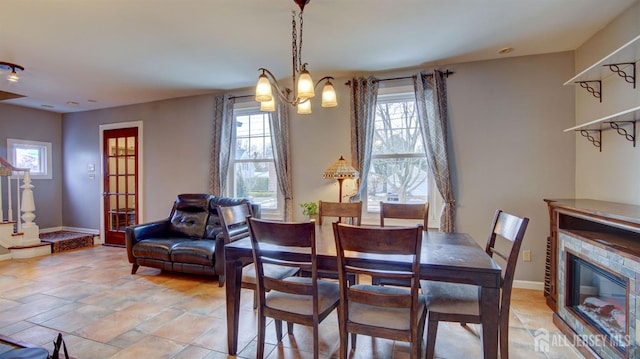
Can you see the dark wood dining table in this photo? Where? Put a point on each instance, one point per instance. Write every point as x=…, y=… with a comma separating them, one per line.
x=451, y=257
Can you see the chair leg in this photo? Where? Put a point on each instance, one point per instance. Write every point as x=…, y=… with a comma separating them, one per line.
x=316, y=344
x=432, y=331
x=344, y=336
x=221, y=279
x=354, y=336
x=261, y=329
x=290, y=328
x=504, y=338
x=278, y=324
x=255, y=299
x=134, y=268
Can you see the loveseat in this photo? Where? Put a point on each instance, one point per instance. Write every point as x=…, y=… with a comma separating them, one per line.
x=190, y=240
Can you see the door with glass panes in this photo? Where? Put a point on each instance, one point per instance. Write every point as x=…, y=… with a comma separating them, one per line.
x=120, y=182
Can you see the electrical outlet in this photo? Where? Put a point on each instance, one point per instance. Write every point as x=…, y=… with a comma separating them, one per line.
x=526, y=255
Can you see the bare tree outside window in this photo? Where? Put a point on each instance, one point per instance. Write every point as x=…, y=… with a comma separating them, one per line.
x=399, y=171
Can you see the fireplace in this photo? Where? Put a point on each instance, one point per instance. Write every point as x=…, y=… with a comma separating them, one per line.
x=598, y=298
x=594, y=276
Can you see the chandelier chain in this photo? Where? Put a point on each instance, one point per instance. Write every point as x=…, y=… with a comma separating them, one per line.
x=300, y=46
x=294, y=44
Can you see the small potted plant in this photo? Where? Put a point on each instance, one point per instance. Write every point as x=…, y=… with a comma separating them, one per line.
x=310, y=209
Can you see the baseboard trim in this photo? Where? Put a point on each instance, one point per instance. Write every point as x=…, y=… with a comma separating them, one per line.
x=527, y=284
x=70, y=229
x=50, y=230
x=82, y=230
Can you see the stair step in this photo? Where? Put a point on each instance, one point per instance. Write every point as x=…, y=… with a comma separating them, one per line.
x=67, y=240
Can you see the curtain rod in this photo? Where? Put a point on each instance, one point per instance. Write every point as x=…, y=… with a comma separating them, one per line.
x=241, y=96
x=446, y=73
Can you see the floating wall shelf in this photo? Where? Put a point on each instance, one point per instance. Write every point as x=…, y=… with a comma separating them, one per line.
x=623, y=63
x=626, y=54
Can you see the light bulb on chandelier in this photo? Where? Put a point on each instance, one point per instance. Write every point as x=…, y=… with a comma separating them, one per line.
x=13, y=75
x=304, y=88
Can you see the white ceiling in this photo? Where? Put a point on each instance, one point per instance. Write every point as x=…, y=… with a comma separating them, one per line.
x=119, y=52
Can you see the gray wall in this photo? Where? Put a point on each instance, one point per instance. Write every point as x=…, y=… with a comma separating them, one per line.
x=508, y=146
x=614, y=173
x=175, y=147
x=35, y=125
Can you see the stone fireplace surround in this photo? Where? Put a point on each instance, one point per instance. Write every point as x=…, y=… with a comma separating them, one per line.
x=624, y=267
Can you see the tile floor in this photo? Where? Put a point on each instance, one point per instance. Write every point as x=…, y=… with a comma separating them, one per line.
x=105, y=312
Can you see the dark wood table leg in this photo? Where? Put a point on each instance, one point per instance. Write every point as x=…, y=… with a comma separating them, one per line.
x=490, y=321
x=234, y=277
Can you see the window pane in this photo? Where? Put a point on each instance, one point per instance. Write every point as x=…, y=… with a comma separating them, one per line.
x=253, y=137
x=252, y=173
x=396, y=128
x=29, y=158
x=401, y=180
x=257, y=181
x=399, y=171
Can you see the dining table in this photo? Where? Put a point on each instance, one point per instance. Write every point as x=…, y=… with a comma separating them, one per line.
x=450, y=257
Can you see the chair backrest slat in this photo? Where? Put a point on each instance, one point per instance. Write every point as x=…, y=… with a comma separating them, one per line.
x=509, y=229
x=418, y=211
x=233, y=220
x=298, y=237
x=352, y=242
x=344, y=210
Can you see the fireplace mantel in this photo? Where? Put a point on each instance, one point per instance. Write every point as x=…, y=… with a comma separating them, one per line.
x=603, y=233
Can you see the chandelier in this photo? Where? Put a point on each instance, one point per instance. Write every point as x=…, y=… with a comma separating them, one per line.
x=304, y=89
x=13, y=75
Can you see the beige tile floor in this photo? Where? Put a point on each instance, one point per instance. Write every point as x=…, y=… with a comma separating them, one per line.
x=105, y=312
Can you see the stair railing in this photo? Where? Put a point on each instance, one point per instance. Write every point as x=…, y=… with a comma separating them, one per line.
x=25, y=202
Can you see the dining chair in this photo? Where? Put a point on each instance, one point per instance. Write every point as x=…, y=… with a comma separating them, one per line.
x=350, y=210
x=233, y=220
x=386, y=312
x=303, y=300
x=455, y=302
x=403, y=211
x=418, y=211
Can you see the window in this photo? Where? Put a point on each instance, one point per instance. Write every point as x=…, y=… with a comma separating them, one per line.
x=33, y=155
x=252, y=171
x=399, y=171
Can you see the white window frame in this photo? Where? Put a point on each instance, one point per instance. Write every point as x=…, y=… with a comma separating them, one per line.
x=244, y=109
x=433, y=195
x=44, y=156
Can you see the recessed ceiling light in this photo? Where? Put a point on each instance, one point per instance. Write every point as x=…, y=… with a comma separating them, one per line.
x=92, y=101
x=72, y=103
x=506, y=50
x=47, y=106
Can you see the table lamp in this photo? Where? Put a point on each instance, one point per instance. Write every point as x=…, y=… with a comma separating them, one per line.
x=341, y=170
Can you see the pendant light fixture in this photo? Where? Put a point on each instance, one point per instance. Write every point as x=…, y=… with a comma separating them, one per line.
x=304, y=89
x=13, y=75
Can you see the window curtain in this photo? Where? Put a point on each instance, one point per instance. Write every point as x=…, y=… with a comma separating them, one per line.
x=364, y=93
x=431, y=102
x=279, y=122
x=221, y=143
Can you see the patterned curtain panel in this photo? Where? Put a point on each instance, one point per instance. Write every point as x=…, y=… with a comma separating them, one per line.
x=364, y=93
x=431, y=102
x=279, y=122
x=220, y=143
